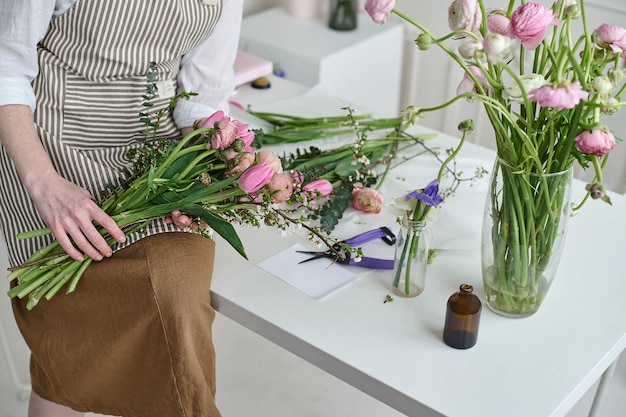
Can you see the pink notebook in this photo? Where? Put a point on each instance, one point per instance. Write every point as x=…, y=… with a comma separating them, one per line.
x=249, y=67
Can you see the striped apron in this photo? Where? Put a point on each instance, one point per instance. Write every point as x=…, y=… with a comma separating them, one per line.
x=93, y=65
x=134, y=339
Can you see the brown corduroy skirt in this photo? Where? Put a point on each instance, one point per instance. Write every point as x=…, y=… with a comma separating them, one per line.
x=134, y=339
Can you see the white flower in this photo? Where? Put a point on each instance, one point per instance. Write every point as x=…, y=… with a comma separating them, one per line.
x=497, y=47
x=529, y=83
x=471, y=49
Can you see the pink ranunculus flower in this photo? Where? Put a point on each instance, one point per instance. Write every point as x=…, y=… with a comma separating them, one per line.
x=272, y=159
x=242, y=161
x=321, y=187
x=256, y=177
x=280, y=187
x=467, y=85
x=464, y=14
x=211, y=120
x=498, y=23
x=610, y=36
x=379, y=10
x=367, y=200
x=530, y=23
x=224, y=135
x=596, y=142
x=566, y=95
x=244, y=133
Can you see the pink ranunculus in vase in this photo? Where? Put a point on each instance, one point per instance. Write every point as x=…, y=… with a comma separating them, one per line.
x=255, y=177
x=530, y=23
x=563, y=96
x=610, y=36
x=379, y=10
x=596, y=142
x=464, y=14
x=367, y=200
x=317, y=188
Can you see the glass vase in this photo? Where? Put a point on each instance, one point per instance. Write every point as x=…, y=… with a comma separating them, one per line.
x=343, y=14
x=411, y=258
x=524, y=228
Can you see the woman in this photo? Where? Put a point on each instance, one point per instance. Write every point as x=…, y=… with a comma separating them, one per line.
x=135, y=338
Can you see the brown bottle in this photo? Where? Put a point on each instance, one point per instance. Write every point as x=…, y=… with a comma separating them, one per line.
x=462, y=319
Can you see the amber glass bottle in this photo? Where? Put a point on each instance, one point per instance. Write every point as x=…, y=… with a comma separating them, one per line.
x=462, y=318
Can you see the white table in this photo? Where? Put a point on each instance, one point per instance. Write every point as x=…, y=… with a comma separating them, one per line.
x=538, y=366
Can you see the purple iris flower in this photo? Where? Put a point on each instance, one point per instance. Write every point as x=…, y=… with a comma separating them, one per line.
x=429, y=195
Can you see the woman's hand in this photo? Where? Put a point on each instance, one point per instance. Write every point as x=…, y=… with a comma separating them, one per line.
x=70, y=213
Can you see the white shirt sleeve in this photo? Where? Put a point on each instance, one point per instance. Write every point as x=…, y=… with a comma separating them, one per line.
x=208, y=69
x=22, y=25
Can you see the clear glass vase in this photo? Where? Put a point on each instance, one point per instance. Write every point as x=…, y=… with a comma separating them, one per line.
x=411, y=258
x=524, y=227
x=343, y=14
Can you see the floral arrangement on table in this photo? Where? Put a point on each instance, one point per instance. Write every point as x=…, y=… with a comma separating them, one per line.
x=544, y=92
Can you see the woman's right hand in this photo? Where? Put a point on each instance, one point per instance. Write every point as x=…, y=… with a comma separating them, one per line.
x=70, y=213
x=66, y=208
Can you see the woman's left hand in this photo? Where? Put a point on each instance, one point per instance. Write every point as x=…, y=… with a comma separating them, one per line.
x=179, y=219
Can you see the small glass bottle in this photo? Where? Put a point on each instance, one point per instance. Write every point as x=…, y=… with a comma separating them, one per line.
x=343, y=14
x=462, y=318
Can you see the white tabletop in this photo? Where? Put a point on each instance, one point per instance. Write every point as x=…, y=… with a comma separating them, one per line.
x=537, y=366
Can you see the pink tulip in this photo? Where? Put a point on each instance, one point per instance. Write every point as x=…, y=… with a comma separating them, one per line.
x=317, y=188
x=467, y=85
x=611, y=36
x=596, y=142
x=530, y=23
x=280, y=187
x=211, y=120
x=367, y=200
x=256, y=177
x=379, y=10
x=563, y=96
x=464, y=14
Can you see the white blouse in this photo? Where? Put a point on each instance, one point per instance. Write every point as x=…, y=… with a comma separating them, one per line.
x=206, y=70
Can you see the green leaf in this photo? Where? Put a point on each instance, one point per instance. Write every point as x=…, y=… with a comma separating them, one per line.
x=221, y=227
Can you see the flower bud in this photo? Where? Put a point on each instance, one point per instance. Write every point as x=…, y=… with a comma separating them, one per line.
x=466, y=126
x=597, y=191
x=602, y=86
x=424, y=41
x=471, y=49
x=616, y=75
x=497, y=47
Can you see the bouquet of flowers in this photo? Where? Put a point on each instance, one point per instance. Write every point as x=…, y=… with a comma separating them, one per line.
x=212, y=175
x=544, y=92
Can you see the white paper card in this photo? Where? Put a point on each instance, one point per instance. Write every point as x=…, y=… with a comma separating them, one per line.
x=316, y=278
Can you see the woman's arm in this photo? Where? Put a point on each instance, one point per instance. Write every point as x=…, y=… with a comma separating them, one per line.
x=66, y=208
x=208, y=69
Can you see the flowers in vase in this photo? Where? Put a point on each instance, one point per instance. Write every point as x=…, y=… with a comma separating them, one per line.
x=544, y=90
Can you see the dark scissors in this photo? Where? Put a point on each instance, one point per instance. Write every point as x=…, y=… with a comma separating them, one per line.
x=365, y=262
